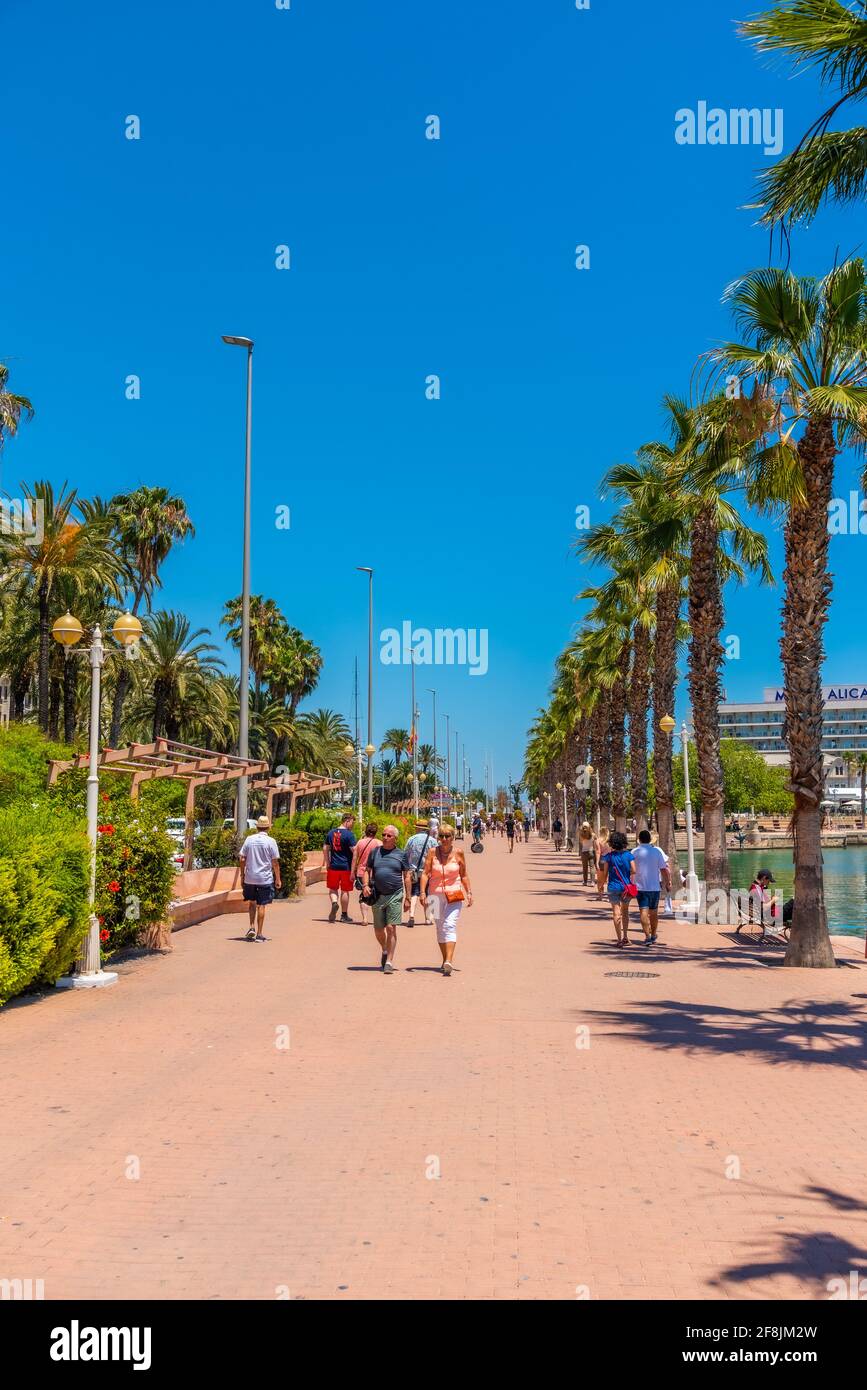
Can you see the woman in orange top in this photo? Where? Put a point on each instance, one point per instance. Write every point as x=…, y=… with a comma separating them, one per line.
x=445, y=875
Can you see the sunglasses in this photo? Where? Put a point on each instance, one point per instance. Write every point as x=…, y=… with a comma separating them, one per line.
x=446, y=837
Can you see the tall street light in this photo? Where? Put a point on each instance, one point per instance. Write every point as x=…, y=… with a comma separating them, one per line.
x=244, y=688
x=67, y=631
x=365, y=569
x=448, y=762
x=436, y=776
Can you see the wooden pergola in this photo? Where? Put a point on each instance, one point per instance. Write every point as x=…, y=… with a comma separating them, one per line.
x=295, y=785
x=167, y=758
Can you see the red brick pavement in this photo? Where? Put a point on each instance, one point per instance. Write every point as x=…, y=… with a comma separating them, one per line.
x=564, y=1169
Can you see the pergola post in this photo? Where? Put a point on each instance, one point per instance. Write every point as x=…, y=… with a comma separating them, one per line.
x=189, y=823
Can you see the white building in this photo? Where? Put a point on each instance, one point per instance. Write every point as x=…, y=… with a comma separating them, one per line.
x=844, y=733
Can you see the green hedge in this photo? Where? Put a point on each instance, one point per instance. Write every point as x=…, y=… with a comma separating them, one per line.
x=292, y=844
x=43, y=895
x=316, y=824
x=135, y=874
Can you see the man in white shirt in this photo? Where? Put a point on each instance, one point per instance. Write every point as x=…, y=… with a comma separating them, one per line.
x=651, y=869
x=260, y=870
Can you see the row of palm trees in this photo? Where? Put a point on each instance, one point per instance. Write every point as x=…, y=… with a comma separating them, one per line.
x=769, y=413
x=95, y=556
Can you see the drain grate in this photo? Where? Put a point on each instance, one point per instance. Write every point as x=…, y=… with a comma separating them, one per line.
x=632, y=974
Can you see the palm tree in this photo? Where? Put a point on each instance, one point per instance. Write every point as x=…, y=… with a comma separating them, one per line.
x=71, y=551
x=267, y=630
x=861, y=764
x=396, y=741
x=174, y=670
x=12, y=407
x=825, y=164
x=146, y=524
x=804, y=341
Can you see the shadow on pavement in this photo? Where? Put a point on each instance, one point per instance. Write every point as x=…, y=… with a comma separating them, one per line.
x=826, y=1033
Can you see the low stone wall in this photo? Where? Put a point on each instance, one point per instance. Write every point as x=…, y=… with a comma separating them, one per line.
x=204, y=893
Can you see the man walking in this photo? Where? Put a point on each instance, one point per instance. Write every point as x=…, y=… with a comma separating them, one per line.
x=337, y=862
x=260, y=873
x=510, y=830
x=557, y=828
x=651, y=867
x=387, y=873
x=416, y=849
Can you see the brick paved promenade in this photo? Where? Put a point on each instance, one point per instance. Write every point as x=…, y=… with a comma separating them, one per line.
x=303, y=1172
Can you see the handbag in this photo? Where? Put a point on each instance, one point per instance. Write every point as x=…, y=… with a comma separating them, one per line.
x=451, y=895
x=359, y=882
x=629, y=889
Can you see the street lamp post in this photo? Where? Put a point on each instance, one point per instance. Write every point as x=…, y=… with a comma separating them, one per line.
x=365, y=569
x=244, y=686
x=548, y=794
x=68, y=632
x=448, y=760
x=561, y=786
x=594, y=771
x=692, y=888
x=436, y=775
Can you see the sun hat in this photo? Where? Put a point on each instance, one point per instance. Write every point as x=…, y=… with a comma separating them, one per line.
x=263, y=823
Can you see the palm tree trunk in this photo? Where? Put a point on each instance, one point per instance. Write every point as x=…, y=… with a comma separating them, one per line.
x=706, y=653
x=805, y=610
x=665, y=672
x=618, y=739
x=124, y=681
x=54, y=695
x=70, y=690
x=159, y=710
x=44, y=652
x=639, y=699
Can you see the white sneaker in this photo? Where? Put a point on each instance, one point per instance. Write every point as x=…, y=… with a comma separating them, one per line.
x=388, y=968
x=447, y=967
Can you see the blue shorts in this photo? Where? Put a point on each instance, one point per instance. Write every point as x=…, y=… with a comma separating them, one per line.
x=648, y=899
x=261, y=893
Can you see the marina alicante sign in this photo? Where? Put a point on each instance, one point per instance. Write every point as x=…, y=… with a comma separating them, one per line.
x=829, y=694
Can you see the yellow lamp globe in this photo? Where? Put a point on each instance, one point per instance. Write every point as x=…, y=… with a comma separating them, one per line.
x=127, y=629
x=666, y=724
x=349, y=750
x=370, y=750
x=67, y=630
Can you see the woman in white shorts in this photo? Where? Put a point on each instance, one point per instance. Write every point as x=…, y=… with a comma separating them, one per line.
x=444, y=883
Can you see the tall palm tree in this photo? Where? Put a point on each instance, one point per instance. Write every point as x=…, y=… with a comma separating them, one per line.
x=146, y=524
x=267, y=630
x=861, y=764
x=825, y=164
x=71, y=551
x=12, y=407
x=174, y=670
x=805, y=341
x=396, y=741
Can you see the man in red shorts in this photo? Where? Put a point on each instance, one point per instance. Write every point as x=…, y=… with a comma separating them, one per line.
x=337, y=861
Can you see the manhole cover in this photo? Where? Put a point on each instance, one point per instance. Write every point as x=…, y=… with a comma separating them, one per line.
x=632, y=974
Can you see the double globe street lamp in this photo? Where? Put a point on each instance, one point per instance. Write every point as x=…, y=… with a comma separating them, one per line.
x=68, y=632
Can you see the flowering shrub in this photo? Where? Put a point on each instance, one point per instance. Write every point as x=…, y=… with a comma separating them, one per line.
x=134, y=873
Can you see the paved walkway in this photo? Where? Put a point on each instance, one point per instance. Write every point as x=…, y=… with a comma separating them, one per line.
x=425, y=1137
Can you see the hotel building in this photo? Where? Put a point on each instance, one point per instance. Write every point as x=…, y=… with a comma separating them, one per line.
x=844, y=731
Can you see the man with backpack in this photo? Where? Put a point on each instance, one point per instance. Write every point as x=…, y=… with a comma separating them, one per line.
x=416, y=849
x=387, y=885
x=337, y=862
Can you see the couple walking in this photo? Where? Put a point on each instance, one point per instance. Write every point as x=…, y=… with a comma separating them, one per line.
x=430, y=871
x=640, y=874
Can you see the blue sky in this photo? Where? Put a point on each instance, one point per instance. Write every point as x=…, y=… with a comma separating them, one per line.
x=306, y=127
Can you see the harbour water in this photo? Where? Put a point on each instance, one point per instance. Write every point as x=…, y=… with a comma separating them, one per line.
x=845, y=881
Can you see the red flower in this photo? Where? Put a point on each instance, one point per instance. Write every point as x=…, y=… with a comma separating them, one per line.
x=113, y=886
x=104, y=934
x=105, y=829
x=100, y=920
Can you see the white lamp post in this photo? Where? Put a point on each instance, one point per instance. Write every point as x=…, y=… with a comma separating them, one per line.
x=561, y=787
x=594, y=772
x=550, y=829
x=68, y=632
x=667, y=725
x=244, y=685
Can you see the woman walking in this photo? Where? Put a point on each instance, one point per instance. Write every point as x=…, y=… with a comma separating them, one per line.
x=444, y=881
x=618, y=868
x=587, y=846
x=360, y=856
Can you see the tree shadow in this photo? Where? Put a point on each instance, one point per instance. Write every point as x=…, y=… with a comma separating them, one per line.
x=828, y=1033
x=818, y=1257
